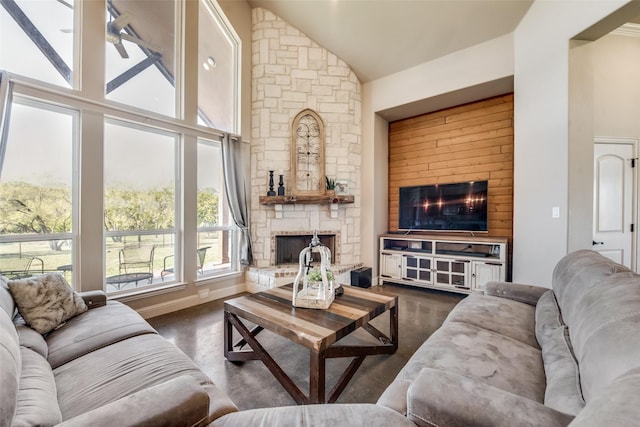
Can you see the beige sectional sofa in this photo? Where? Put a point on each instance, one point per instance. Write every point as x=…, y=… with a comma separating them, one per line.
x=517, y=355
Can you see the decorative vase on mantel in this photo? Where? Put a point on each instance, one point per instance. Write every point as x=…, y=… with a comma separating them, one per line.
x=271, y=192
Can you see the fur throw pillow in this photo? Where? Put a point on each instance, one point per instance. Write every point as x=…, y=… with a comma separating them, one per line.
x=45, y=302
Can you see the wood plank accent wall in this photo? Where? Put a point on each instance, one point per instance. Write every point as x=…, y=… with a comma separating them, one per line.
x=471, y=142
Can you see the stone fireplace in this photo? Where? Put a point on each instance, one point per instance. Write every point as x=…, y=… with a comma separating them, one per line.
x=292, y=73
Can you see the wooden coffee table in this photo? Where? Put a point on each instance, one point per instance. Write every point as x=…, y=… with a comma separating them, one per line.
x=317, y=330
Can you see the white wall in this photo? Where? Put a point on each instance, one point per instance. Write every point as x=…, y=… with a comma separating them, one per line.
x=616, y=88
x=580, y=201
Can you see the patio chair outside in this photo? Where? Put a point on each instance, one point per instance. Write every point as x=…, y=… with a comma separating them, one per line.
x=32, y=266
x=136, y=259
x=168, y=269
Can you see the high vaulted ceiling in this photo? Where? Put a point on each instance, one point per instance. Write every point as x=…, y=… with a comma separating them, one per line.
x=381, y=37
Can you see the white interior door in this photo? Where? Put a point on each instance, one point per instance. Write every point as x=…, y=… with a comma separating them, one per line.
x=614, y=189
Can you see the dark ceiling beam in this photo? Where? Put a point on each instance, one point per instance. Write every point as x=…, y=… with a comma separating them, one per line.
x=36, y=36
x=114, y=12
x=205, y=118
x=132, y=72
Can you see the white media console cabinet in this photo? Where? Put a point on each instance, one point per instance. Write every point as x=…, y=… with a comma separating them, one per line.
x=451, y=263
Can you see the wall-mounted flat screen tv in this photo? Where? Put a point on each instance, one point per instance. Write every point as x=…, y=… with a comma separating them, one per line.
x=444, y=207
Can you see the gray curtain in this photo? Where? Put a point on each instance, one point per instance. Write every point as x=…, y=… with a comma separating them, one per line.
x=236, y=193
x=6, y=95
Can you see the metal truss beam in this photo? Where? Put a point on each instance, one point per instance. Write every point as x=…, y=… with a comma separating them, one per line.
x=38, y=39
x=132, y=72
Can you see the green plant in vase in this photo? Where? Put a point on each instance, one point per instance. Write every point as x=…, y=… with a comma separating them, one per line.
x=330, y=185
x=316, y=276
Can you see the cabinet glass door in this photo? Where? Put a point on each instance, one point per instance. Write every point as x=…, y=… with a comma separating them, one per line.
x=451, y=272
x=417, y=268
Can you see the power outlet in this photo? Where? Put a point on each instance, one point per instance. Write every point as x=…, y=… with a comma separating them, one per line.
x=203, y=293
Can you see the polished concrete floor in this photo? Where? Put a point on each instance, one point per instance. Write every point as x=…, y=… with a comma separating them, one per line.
x=198, y=331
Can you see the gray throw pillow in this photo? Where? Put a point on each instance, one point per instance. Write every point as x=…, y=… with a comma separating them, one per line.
x=45, y=302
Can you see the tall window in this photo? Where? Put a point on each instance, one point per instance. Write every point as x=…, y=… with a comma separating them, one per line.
x=36, y=190
x=139, y=203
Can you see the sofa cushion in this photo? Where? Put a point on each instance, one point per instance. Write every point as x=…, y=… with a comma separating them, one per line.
x=46, y=302
x=10, y=367
x=462, y=401
x=178, y=402
x=395, y=395
x=501, y=315
x=37, y=398
x=336, y=415
x=563, y=391
x=482, y=355
x=604, y=332
x=94, y=329
x=6, y=300
x=30, y=338
x=575, y=274
x=548, y=317
x=125, y=367
x=617, y=405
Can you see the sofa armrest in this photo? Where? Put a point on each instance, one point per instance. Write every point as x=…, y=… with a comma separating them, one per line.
x=177, y=402
x=439, y=398
x=94, y=299
x=528, y=294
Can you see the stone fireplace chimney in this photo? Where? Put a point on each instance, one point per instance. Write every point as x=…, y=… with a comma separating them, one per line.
x=292, y=73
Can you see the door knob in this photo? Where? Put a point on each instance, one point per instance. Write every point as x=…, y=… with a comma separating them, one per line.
x=597, y=243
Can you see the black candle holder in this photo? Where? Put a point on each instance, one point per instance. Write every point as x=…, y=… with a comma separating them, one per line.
x=271, y=192
x=281, y=186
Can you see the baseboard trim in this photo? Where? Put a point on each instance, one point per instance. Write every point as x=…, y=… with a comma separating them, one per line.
x=190, y=301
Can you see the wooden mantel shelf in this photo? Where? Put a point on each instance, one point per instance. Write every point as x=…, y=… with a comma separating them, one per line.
x=308, y=200
x=278, y=201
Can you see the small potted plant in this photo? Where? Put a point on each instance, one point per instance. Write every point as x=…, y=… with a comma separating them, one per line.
x=330, y=186
x=316, y=276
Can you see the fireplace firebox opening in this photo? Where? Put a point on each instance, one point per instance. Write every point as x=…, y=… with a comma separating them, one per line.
x=288, y=247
